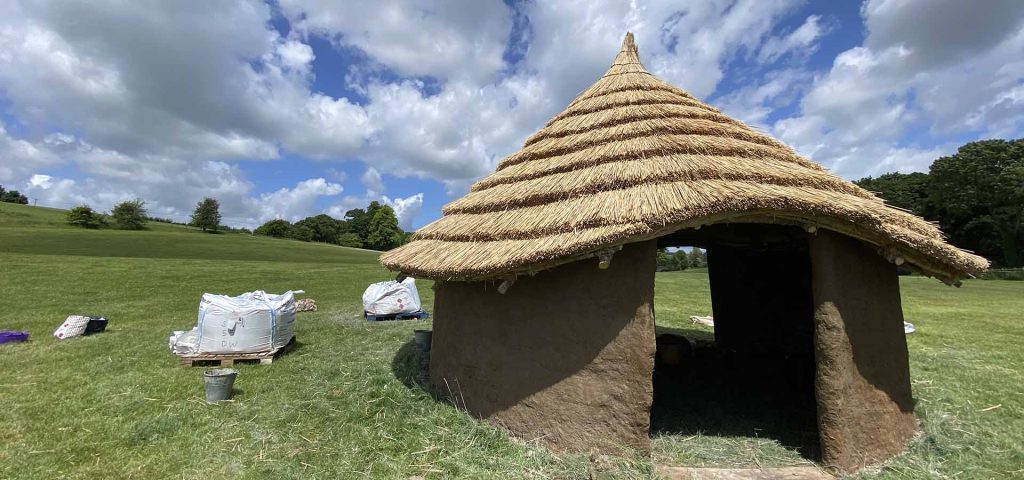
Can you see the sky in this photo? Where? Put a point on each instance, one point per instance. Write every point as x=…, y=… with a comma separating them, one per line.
x=291, y=108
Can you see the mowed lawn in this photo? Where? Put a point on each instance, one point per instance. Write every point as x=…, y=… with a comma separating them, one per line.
x=346, y=402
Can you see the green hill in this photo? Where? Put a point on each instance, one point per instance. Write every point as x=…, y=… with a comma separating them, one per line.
x=41, y=230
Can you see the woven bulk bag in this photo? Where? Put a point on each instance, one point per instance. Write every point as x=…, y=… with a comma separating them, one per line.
x=251, y=322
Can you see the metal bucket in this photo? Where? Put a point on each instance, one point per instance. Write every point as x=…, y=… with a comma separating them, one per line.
x=423, y=338
x=219, y=383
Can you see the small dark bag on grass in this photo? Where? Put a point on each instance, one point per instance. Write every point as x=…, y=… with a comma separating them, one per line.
x=96, y=325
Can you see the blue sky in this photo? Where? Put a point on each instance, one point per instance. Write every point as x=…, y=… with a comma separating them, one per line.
x=297, y=107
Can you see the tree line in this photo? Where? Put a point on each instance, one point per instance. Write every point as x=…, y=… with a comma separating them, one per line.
x=132, y=215
x=374, y=228
x=681, y=259
x=12, y=196
x=976, y=196
x=127, y=215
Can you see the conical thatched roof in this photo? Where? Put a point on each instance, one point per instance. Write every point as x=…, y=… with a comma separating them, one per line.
x=634, y=158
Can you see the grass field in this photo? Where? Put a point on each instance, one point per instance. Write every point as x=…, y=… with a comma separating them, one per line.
x=345, y=403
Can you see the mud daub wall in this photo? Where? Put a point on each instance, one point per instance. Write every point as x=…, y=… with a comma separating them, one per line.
x=865, y=411
x=564, y=356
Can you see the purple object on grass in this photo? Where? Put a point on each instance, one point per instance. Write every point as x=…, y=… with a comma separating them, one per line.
x=12, y=336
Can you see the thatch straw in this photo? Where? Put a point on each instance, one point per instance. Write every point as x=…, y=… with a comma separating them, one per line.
x=633, y=158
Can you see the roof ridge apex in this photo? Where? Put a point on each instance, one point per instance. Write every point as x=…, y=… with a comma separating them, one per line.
x=628, y=54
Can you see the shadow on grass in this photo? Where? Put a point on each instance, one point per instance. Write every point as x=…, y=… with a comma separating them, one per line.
x=721, y=393
x=292, y=348
x=411, y=367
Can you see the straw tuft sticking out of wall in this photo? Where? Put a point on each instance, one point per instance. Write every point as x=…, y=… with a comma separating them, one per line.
x=633, y=158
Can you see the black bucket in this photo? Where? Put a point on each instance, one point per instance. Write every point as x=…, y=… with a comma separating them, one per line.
x=219, y=383
x=423, y=338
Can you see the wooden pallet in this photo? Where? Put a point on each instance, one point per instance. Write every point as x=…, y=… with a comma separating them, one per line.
x=229, y=359
x=420, y=315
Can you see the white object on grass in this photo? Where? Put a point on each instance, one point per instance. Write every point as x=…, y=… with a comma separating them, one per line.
x=708, y=320
x=391, y=297
x=184, y=342
x=251, y=322
x=908, y=327
x=73, y=326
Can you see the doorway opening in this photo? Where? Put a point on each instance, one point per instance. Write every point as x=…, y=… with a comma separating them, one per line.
x=754, y=374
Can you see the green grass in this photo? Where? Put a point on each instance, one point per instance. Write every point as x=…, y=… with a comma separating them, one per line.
x=43, y=231
x=345, y=403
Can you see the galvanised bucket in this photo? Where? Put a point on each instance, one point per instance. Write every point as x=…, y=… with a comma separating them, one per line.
x=219, y=383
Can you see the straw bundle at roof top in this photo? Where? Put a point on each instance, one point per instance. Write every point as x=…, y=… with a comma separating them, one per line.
x=634, y=158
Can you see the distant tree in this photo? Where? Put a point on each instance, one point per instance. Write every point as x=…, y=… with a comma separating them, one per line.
x=275, y=228
x=162, y=220
x=672, y=261
x=382, y=232
x=697, y=258
x=12, y=196
x=356, y=221
x=662, y=259
x=230, y=229
x=301, y=232
x=978, y=199
x=206, y=215
x=84, y=216
x=908, y=191
x=130, y=214
x=325, y=228
x=349, y=240
x=373, y=207
x=680, y=260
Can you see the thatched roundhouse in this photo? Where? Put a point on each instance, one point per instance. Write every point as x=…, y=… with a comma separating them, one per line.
x=545, y=271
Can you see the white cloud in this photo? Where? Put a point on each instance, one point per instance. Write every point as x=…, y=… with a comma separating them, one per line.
x=40, y=181
x=406, y=209
x=55, y=191
x=458, y=134
x=295, y=55
x=372, y=180
x=754, y=103
x=19, y=158
x=444, y=39
x=167, y=98
x=938, y=66
x=208, y=80
x=167, y=101
x=170, y=186
x=801, y=41
x=295, y=203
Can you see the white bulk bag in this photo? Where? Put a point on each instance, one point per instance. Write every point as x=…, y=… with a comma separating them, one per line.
x=73, y=326
x=391, y=297
x=251, y=322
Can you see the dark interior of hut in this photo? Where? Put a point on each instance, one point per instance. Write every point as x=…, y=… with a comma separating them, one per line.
x=755, y=376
